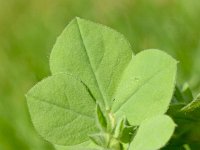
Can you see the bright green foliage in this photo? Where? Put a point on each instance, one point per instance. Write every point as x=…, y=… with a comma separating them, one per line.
x=95, y=53
x=101, y=119
x=153, y=133
x=28, y=30
x=62, y=109
x=146, y=87
x=94, y=67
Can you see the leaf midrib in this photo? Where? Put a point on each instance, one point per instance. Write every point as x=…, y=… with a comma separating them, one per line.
x=91, y=66
x=137, y=89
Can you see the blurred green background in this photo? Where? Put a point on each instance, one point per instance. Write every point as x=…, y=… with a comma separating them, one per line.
x=28, y=30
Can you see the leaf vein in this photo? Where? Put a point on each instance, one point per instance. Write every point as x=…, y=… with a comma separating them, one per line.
x=59, y=106
x=139, y=87
x=100, y=90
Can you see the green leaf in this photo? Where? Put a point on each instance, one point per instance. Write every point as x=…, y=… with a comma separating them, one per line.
x=101, y=119
x=183, y=96
x=178, y=96
x=194, y=105
x=146, y=87
x=153, y=133
x=62, y=109
x=187, y=93
x=93, y=52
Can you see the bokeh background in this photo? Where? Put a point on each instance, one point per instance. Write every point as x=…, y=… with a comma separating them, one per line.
x=29, y=28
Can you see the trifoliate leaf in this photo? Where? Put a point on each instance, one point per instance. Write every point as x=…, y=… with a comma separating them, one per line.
x=62, y=107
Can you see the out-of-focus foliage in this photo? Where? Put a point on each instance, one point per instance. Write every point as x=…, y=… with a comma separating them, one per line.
x=28, y=29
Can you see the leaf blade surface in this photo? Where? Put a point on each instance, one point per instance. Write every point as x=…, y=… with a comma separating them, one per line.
x=62, y=110
x=146, y=87
x=153, y=133
x=93, y=52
